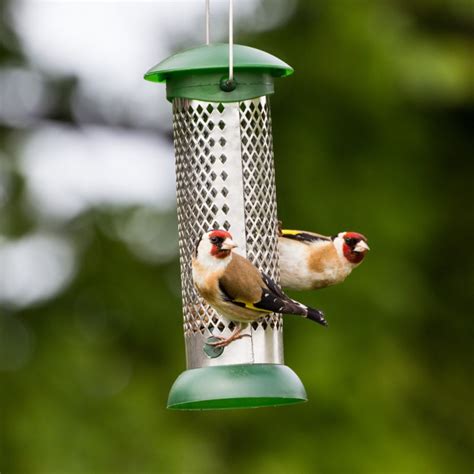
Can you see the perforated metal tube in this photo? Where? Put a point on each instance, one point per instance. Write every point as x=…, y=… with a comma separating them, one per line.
x=225, y=179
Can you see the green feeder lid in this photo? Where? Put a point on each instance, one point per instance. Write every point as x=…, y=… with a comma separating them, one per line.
x=201, y=73
x=215, y=58
x=236, y=386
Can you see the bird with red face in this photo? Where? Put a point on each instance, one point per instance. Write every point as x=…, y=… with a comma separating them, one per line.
x=311, y=261
x=236, y=289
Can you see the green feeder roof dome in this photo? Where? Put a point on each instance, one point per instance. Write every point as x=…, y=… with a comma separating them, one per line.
x=215, y=58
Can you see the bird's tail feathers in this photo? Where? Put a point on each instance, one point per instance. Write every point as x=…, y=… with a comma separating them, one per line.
x=295, y=307
x=316, y=316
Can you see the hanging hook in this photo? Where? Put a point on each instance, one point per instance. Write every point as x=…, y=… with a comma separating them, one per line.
x=229, y=84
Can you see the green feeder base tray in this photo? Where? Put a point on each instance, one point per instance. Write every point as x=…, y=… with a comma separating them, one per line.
x=236, y=386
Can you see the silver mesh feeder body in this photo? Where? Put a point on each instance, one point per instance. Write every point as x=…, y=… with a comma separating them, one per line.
x=225, y=180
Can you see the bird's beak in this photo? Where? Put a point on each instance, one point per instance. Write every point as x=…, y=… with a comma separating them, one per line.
x=228, y=244
x=361, y=247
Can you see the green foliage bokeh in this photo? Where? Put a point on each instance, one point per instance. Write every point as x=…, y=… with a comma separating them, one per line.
x=373, y=133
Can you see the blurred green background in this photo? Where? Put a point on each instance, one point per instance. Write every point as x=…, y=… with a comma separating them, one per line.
x=373, y=133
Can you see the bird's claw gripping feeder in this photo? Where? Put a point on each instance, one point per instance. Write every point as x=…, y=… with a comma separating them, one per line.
x=225, y=179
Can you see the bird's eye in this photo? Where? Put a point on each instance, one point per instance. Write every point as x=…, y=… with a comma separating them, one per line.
x=214, y=240
x=350, y=241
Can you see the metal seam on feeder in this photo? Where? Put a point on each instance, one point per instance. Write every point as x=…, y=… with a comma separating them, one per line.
x=225, y=178
x=238, y=83
x=207, y=86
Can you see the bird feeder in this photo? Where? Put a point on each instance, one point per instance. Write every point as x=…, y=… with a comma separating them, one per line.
x=225, y=179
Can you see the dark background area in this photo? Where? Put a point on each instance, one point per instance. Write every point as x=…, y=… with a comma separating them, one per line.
x=373, y=133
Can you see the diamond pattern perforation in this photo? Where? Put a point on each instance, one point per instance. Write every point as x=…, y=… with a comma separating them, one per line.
x=260, y=193
x=198, y=184
x=218, y=189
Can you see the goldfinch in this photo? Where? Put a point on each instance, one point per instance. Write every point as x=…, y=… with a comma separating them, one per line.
x=310, y=261
x=236, y=289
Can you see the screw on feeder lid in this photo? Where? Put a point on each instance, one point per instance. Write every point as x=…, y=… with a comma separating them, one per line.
x=201, y=73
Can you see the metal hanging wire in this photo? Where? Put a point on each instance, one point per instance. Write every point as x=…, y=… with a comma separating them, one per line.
x=228, y=84
x=231, y=40
x=208, y=22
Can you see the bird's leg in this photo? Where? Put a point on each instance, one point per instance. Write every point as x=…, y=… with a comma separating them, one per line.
x=223, y=342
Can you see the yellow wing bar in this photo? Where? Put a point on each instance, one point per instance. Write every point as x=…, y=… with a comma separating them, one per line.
x=250, y=305
x=291, y=232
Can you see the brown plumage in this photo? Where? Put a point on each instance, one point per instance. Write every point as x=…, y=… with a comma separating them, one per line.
x=242, y=281
x=235, y=288
x=310, y=261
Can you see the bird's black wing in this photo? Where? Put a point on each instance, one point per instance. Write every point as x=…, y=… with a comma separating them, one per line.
x=274, y=300
x=248, y=288
x=303, y=236
x=272, y=286
x=271, y=299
